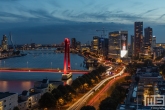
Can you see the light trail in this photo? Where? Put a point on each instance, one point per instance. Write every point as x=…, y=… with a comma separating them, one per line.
x=77, y=105
x=103, y=90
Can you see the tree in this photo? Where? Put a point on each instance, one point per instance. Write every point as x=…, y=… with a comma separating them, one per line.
x=47, y=101
x=70, y=89
x=16, y=108
x=62, y=89
x=56, y=93
x=76, y=84
x=88, y=107
x=108, y=104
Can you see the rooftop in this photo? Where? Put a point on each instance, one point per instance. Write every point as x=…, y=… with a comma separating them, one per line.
x=5, y=94
x=33, y=93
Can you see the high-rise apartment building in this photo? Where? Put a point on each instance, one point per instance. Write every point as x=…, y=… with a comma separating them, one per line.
x=138, y=38
x=153, y=41
x=118, y=44
x=148, y=41
x=148, y=35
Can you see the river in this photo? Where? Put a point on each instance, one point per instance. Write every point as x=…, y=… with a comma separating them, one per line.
x=19, y=81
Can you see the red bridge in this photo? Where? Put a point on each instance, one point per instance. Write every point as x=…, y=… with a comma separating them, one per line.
x=67, y=66
x=41, y=70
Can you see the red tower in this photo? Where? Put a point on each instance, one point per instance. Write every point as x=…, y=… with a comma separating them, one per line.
x=67, y=55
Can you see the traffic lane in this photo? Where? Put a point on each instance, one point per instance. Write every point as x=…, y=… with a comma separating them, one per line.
x=96, y=97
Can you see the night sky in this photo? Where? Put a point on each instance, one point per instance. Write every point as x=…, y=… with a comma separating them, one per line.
x=50, y=21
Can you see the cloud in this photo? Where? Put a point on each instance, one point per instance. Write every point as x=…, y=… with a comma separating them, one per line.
x=161, y=16
x=106, y=16
x=149, y=11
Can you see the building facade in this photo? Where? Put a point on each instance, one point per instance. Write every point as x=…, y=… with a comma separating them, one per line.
x=103, y=46
x=118, y=44
x=148, y=35
x=138, y=38
x=148, y=41
x=8, y=100
x=153, y=41
x=95, y=44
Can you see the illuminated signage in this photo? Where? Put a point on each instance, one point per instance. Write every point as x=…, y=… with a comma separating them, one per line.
x=123, y=53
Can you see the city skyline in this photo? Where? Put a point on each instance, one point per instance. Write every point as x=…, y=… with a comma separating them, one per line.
x=52, y=21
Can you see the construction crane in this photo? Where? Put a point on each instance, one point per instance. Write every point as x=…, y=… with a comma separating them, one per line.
x=103, y=32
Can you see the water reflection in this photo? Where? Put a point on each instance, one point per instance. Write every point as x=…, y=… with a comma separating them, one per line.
x=15, y=86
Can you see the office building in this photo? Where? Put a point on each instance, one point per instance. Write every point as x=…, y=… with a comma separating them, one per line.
x=73, y=43
x=99, y=45
x=148, y=41
x=148, y=35
x=103, y=46
x=95, y=44
x=8, y=100
x=118, y=44
x=4, y=43
x=153, y=41
x=138, y=38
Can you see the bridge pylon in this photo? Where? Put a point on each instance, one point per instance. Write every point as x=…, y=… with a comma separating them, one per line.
x=67, y=65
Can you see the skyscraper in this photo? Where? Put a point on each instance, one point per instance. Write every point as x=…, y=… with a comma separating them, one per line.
x=148, y=35
x=118, y=42
x=138, y=34
x=148, y=41
x=153, y=41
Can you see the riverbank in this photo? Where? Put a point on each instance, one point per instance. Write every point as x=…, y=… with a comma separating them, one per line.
x=12, y=56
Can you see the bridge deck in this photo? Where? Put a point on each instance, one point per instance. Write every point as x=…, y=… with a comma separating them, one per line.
x=40, y=70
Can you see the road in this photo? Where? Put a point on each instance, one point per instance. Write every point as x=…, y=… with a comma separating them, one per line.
x=82, y=101
x=94, y=101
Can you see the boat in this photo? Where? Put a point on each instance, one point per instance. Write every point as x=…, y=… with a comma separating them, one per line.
x=66, y=76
